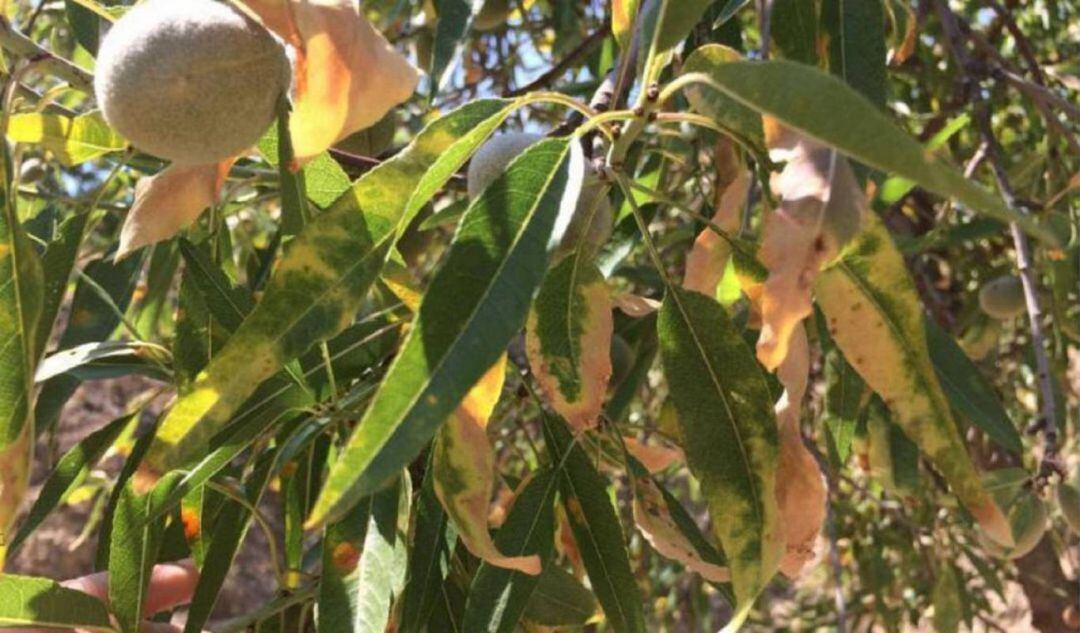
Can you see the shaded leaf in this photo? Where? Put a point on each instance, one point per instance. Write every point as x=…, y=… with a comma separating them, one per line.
x=560, y=600
x=874, y=316
x=71, y=140
x=855, y=41
x=475, y=305
x=498, y=597
x=824, y=108
x=69, y=473
x=568, y=339
x=969, y=392
x=57, y=264
x=429, y=558
x=597, y=531
x=708, y=258
x=27, y=601
x=729, y=434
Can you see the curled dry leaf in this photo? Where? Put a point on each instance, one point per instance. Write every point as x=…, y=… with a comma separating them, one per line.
x=709, y=256
x=654, y=520
x=464, y=467
x=653, y=457
x=821, y=210
x=169, y=201
x=346, y=75
x=636, y=306
x=800, y=490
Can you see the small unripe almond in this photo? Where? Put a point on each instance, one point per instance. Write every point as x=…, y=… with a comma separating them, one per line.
x=194, y=82
x=1003, y=298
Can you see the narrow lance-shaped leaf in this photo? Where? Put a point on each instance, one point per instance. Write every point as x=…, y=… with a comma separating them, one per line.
x=821, y=210
x=320, y=282
x=69, y=473
x=498, y=597
x=463, y=464
x=40, y=602
x=429, y=558
x=855, y=41
x=729, y=434
x=134, y=543
x=568, y=339
x=708, y=257
x=20, y=307
x=475, y=305
x=364, y=562
x=597, y=530
x=57, y=263
x=455, y=17
x=559, y=600
x=873, y=314
x=824, y=108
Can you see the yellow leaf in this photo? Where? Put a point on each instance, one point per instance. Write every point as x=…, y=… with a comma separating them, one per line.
x=821, y=209
x=169, y=201
x=346, y=75
x=464, y=467
x=71, y=140
x=874, y=315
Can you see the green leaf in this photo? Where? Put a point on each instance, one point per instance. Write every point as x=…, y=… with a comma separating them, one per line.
x=69, y=474
x=57, y=264
x=823, y=107
x=364, y=562
x=559, y=600
x=476, y=303
x=21, y=283
x=85, y=24
x=134, y=544
x=676, y=19
x=320, y=282
x=294, y=208
x=27, y=601
x=597, y=531
x=856, y=45
x=728, y=113
x=451, y=30
x=229, y=529
x=968, y=390
x=498, y=597
x=874, y=315
x=429, y=558
x=729, y=433
x=107, y=359
x=322, y=180
x=71, y=140
x=844, y=397
x=795, y=30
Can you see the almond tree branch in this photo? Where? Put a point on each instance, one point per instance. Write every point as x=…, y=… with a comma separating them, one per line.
x=973, y=71
x=587, y=46
x=22, y=46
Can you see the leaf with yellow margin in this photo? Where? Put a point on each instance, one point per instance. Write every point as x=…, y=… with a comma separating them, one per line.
x=464, y=471
x=346, y=75
x=873, y=313
x=568, y=339
x=821, y=209
x=168, y=201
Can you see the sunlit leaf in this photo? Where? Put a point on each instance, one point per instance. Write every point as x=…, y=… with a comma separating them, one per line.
x=169, y=201
x=821, y=209
x=26, y=601
x=873, y=313
x=825, y=109
x=568, y=339
x=319, y=283
x=71, y=140
x=475, y=305
x=21, y=282
x=346, y=75
x=708, y=258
